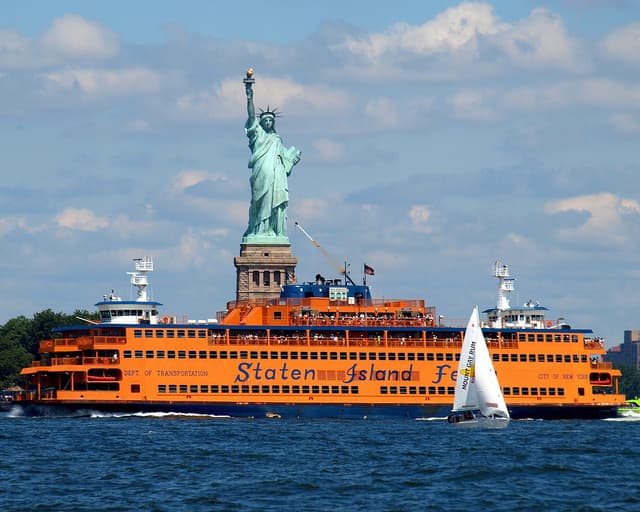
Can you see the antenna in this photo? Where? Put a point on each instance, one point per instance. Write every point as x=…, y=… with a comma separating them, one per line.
x=139, y=278
x=342, y=270
x=505, y=285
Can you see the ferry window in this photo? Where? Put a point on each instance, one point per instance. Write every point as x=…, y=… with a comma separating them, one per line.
x=183, y=388
x=223, y=354
x=383, y=390
x=583, y=358
x=304, y=355
x=256, y=278
x=344, y=390
x=182, y=354
x=215, y=388
x=441, y=390
x=556, y=338
x=171, y=333
x=193, y=388
x=224, y=389
x=422, y=390
x=162, y=388
x=495, y=357
x=574, y=338
x=274, y=355
x=558, y=358
x=439, y=356
x=138, y=354
x=244, y=354
x=532, y=358
x=403, y=390
x=343, y=356
x=264, y=354
x=355, y=390
x=448, y=356
x=372, y=356
x=192, y=354
x=148, y=333
x=393, y=390
x=549, y=337
x=565, y=338
x=531, y=337
x=137, y=333
x=202, y=334
x=135, y=388
x=506, y=391
x=420, y=356
x=525, y=391
x=515, y=390
x=160, y=354
x=567, y=358
x=534, y=391
x=505, y=357
x=277, y=315
x=451, y=390
x=323, y=355
x=353, y=356
x=549, y=358
x=335, y=389
x=543, y=391
x=266, y=278
x=581, y=391
x=255, y=388
x=173, y=388
x=333, y=356
x=213, y=354
x=180, y=333
x=458, y=356
x=552, y=391
x=315, y=389
x=159, y=333
x=560, y=391
x=305, y=389
x=295, y=389
x=286, y=389
x=382, y=356
x=392, y=356
x=514, y=358
x=430, y=356
x=235, y=388
x=521, y=337
x=401, y=356
x=149, y=354
x=523, y=358
x=265, y=389
x=204, y=388
x=202, y=354
x=540, y=337
x=284, y=355
x=191, y=333
x=171, y=354
x=233, y=354
x=541, y=358
x=411, y=356
x=253, y=354
x=432, y=390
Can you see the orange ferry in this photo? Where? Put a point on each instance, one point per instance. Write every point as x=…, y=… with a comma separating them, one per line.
x=323, y=349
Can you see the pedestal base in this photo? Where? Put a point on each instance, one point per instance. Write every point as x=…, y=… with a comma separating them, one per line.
x=262, y=269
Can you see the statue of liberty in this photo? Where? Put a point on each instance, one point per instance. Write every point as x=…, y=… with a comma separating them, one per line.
x=271, y=164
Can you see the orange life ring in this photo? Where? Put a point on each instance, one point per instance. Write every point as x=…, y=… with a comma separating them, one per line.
x=165, y=319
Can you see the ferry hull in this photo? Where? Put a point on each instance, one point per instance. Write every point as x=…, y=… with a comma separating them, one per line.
x=307, y=411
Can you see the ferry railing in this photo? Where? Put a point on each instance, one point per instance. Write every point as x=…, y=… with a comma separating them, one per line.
x=602, y=365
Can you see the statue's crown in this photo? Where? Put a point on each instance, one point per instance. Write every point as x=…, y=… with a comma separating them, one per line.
x=271, y=113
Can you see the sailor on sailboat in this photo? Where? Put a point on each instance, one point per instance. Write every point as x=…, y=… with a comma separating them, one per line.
x=478, y=398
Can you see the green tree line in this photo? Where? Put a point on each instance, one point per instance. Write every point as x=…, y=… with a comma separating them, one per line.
x=20, y=339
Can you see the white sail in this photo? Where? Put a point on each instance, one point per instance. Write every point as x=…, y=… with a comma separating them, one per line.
x=477, y=386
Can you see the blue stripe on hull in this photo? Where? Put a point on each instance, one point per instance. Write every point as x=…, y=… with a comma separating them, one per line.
x=308, y=410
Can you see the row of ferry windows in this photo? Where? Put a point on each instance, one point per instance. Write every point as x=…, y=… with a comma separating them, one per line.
x=362, y=356
x=201, y=333
x=344, y=390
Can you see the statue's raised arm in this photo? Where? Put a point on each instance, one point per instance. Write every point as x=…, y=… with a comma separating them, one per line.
x=271, y=164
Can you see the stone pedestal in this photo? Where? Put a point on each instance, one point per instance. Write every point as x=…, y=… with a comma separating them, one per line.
x=262, y=269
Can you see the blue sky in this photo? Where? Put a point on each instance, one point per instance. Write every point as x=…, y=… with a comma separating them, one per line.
x=436, y=138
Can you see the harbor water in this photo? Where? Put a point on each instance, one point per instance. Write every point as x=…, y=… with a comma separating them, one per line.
x=202, y=463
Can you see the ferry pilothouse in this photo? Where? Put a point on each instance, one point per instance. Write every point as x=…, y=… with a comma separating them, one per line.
x=324, y=348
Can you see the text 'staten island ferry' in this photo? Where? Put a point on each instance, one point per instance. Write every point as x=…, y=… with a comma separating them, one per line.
x=322, y=349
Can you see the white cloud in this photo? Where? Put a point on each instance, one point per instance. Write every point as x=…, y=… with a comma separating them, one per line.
x=623, y=44
x=328, y=151
x=473, y=105
x=99, y=83
x=81, y=219
x=10, y=224
x=383, y=112
x=420, y=216
x=625, y=124
x=607, y=214
x=74, y=36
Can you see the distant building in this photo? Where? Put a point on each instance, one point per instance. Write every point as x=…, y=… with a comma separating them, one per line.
x=628, y=353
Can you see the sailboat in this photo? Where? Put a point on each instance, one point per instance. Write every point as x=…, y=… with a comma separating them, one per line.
x=478, y=399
